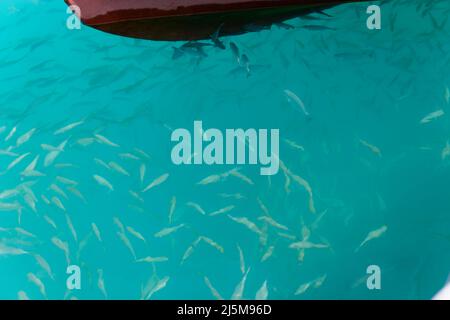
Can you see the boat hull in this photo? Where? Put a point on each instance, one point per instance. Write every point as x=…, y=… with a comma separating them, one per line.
x=191, y=19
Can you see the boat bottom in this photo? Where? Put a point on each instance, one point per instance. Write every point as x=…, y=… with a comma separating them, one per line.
x=198, y=27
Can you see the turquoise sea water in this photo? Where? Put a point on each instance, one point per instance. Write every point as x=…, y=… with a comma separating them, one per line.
x=367, y=157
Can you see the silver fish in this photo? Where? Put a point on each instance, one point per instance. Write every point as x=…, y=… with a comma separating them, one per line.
x=103, y=182
x=161, y=179
x=292, y=96
x=68, y=128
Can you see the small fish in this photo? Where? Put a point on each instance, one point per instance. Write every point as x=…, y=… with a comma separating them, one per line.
x=68, y=128
x=286, y=236
x=246, y=64
x=50, y=222
x=302, y=288
x=49, y=148
x=268, y=254
x=45, y=199
x=247, y=223
x=263, y=292
x=221, y=211
x=84, y=142
x=302, y=182
x=101, y=283
x=96, y=231
x=210, y=179
x=189, y=251
x=128, y=156
x=118, y=168
x=305, y=244
x=8, y=153
x=52, y=155
x=215, y=38
x=173, y=203
x=213, y=244
x=44, y=265
x=30, y=201
x=82, y=244
x=4, y=195
x=319, y=281
x=57, y=202
x=76, y=193
x=167, y=231
x=103, y=182
x=66, y=181
x=103, y=140
x=119, y=224
x=236, y=196
x=241, y=259
x=153, y=259
x=214, y=292
x=195, y=45
x=102, y=163
x=142, y=154
x=10, y=251
x=65, y=165
x=161, y=284
x=263, y=237
x=71, y=228
x=161, y=179
x=136, y=234
x=62, y=246
x=50, y=158
x=25, y=137
x=432, y=116
x=142, y=171
x=239, y=290
x=11, y=134
x=16, y=206
x=135, y=195
x=190, y=50
x=235, y=50
x=195, y=206
x=31, y=166
x=35, y=280
x=294, y=144
x=57, y=190
x=262, y=206
x=444, y=154
x=306, y=233
x=22, y=295
x=32, y=173
x=291, y=96
x=371, y=147
x=242, y=177
x=127, y=243
x=273, y=223
x=24, y=232
x=373, y=235
x=17, y=161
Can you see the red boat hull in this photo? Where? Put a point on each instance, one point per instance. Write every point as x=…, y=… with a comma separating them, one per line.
x=190, y=19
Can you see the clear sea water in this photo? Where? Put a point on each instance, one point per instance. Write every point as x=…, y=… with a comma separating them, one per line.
x=357, y=84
